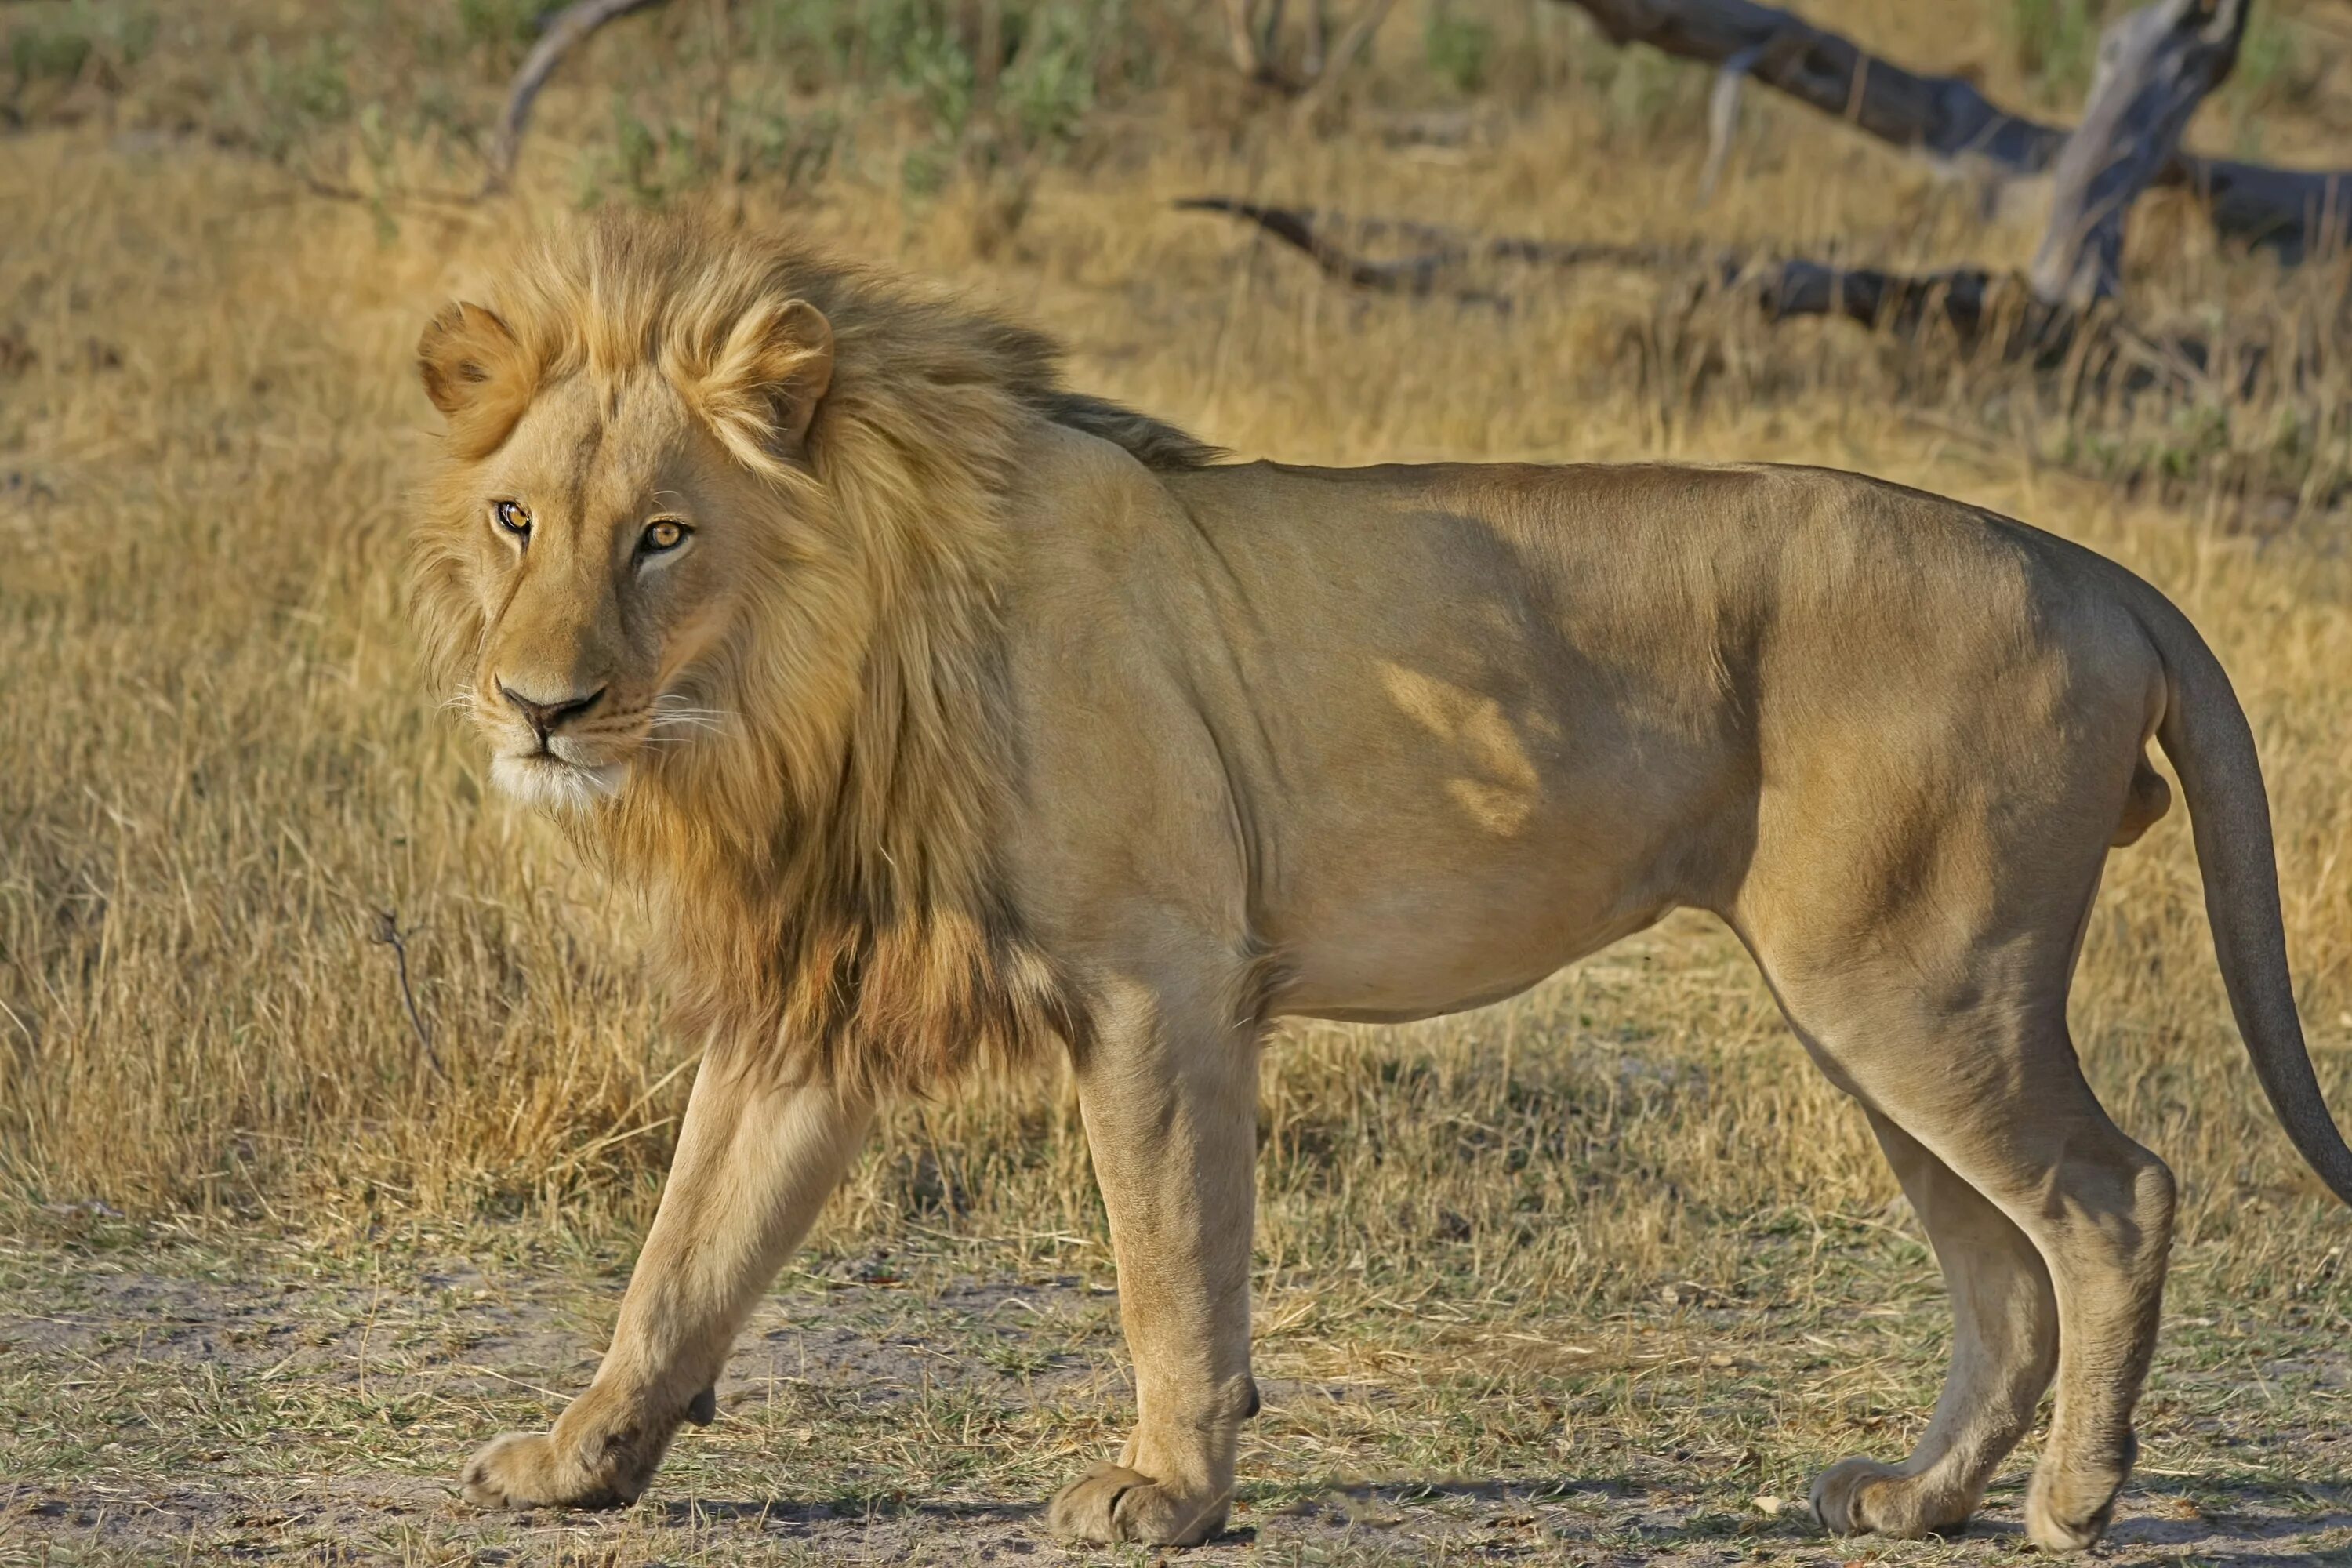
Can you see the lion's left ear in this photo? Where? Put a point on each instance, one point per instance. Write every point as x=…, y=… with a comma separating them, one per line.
x=762, y=389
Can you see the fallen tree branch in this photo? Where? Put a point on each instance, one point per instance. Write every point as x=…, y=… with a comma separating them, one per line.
x=2155, y=66
x=1944, y=116
x=2292, y=212
x=1980, y=307
x=2080, y=354
x=1303, y=229
x=562, y=35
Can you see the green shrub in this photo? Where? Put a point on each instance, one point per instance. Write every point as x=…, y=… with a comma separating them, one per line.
x=1049, y=85
x=1457, y=46
x=59, y=48
x=501, y=24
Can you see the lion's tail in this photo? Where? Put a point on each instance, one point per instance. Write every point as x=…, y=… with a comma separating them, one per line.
x=2205, y=733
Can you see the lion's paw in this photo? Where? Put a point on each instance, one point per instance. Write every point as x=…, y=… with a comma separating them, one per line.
x=1863, y=1496
x=2067, y=1510
x=523, y=1470
x=1110, y=1504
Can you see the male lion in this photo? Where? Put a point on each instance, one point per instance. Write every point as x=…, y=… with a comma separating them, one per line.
x=948, y=717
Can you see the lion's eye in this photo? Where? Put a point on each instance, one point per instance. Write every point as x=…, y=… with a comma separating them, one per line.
x=662, y=533
x=513, y=518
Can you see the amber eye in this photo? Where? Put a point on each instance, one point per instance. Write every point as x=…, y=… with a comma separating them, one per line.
x=662, y=533
x=513, y=519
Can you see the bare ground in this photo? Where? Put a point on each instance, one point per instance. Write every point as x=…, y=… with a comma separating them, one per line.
x=179, y=1402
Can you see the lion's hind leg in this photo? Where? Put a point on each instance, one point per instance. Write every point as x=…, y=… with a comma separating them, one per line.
x=2004, y=1350
x=1928, y=851
x=1982, y=1079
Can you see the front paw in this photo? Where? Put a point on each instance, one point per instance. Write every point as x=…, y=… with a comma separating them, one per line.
x=1863, y=1496
x=524, y=1469
x=1110, y=1504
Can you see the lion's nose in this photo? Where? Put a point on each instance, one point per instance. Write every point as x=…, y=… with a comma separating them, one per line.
x=546, y=718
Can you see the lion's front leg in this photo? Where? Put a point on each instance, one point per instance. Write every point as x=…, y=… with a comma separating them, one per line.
x=754, y=1164
x=1170, y=1096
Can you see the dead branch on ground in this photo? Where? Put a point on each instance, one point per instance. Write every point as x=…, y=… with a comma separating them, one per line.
x=2292, y=212
x=1981, y=309
x=2155, y=66
x=568, y=28
x=1447, y=252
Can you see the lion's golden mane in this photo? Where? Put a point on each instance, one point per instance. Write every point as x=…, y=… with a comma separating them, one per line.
x=821, y=877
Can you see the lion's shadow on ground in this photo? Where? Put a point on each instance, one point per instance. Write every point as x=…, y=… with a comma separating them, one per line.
x=2244, y=1521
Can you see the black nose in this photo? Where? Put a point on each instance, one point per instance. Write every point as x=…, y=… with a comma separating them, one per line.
x=546, y=718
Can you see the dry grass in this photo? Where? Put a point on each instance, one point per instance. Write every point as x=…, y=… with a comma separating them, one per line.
x=217, y=764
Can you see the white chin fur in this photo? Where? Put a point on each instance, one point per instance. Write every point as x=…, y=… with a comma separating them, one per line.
x=555, y=786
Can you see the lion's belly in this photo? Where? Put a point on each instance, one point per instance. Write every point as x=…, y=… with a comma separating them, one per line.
x=1352, y=995
x=1421, y=947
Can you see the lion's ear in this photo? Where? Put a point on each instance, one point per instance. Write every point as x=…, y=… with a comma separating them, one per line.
x=474, y=372
x=761, y=390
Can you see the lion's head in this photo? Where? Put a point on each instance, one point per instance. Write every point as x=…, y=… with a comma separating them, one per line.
x=625, y=518
x=687, y=476
x=621, y=529
x=711, y=555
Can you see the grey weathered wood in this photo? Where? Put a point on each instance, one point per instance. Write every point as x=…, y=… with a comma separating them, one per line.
x=1942, y=117
x=1980, y=307
x=2155, y=66
x=562, y=34
x=1723, y=117
x=2292, y=212
x=1442, y=252
x=1253, y=36
x=1993, y=315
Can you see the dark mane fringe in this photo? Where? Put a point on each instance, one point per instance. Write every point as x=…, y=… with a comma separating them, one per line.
x=1153, y=443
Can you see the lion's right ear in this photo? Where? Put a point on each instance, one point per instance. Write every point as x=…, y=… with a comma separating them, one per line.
x=476, y=374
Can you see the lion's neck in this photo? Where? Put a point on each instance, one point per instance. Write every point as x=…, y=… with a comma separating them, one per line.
x=856, y=929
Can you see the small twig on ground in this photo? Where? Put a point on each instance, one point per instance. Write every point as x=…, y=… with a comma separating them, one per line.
x=388, y=934
x=391, y=197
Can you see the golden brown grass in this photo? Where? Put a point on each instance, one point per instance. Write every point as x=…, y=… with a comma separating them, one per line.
x=217, y=764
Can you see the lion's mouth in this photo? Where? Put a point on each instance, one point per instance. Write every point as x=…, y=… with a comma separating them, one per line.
x=549, y=780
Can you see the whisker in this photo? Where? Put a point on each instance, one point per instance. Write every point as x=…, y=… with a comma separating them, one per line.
x=674, y=710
